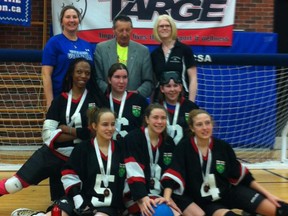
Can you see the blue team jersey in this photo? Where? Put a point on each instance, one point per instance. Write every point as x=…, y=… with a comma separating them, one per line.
x=59, y=53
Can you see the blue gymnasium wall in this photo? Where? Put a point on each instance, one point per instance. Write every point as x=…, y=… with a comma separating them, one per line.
x=236, y=111
x=243, y=42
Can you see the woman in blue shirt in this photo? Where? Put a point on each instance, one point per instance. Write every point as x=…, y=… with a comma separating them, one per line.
x=60, y=50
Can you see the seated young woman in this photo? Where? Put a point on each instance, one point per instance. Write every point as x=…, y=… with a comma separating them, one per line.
x=205, y=173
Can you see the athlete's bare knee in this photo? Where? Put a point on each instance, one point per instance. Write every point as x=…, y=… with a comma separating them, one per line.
x=224, y=212
x=193, y=210
x=101, y=214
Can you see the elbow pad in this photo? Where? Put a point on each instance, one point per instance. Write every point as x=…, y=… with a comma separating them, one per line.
x=13, y=185
x=50, y=130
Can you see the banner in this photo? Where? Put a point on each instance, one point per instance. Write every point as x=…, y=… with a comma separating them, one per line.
x=15, y=12
x=206, y=22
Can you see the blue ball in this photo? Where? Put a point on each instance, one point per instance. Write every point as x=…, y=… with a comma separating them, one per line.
x=163, y=209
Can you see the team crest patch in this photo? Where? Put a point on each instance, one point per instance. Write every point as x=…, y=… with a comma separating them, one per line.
x=122, y=170
x=91, y=106
x=186, y=117
x=136, y=110
x=167, y=158
x=220, y=166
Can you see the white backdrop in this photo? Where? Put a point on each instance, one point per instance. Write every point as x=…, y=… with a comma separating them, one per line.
x=206, y=22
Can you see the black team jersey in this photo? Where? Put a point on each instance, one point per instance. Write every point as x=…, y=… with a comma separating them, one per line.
x=57, y=113
x=185, y=174
x=137, y=163
x=134, y=108
x=182, y=127
x=82, y=175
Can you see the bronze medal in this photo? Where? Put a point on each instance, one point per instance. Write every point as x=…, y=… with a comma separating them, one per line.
x=118, y=137
x=206, y=188
x=152, y=183
x=106, y=192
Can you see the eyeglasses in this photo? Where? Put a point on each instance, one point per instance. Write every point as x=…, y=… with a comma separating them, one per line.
x=166, y=76
x=164, y=26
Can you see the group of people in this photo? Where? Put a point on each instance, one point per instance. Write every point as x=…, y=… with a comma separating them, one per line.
x=144, y=68
x=109, y=152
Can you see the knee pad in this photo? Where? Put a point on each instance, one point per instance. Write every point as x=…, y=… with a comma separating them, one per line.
x=282, y=210
x=163, y=209
x=13, y=185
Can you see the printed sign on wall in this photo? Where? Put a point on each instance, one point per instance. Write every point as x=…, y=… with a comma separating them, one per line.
x=206, y=22
x=15, y=12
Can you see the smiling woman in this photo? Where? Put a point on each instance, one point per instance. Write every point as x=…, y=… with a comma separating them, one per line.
x=94, y=175
x=60, y=50
x=146, y=159
x=172, y=55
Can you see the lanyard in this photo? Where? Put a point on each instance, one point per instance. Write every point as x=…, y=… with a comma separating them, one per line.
x=208, y=165
x=123, y=100
x=100, y=162
x=70, y=123
x=175, y=118
x=153, y=162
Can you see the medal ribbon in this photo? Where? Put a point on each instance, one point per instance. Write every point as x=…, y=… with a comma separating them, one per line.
x=68, y=122
x=175, y=118
x=155, y=161
x=100, y=162
x=208, y=165
x=123, y=100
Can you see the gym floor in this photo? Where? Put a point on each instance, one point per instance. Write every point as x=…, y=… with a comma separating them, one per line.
x=38, y=198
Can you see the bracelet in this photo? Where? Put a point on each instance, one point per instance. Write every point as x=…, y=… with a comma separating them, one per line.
x=70, y=130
